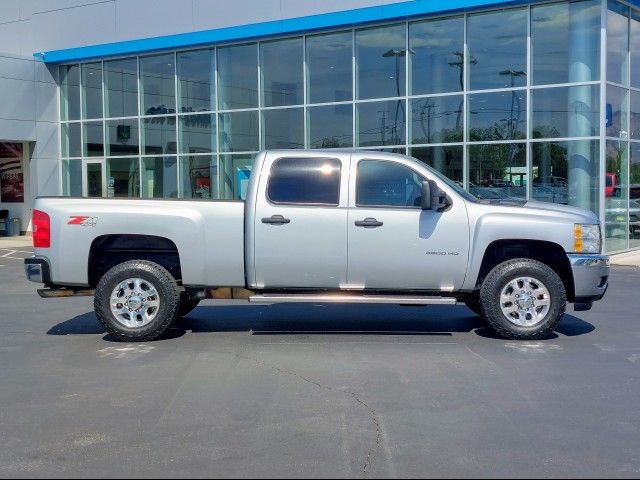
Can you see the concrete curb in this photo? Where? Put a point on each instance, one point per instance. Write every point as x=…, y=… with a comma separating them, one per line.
x=16, y=243
x=628, y=259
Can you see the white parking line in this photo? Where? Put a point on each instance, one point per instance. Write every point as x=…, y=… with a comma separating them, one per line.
x=9, y=254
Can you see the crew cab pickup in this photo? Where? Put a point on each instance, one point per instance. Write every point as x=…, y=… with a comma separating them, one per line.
x=322, y=227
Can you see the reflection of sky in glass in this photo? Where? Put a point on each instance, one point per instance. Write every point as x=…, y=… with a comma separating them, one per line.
x=238, y=76
x=635, y=48
x=437, y=119
x=195, y=81
x=498, y=45
x=331, y=126
x=551, y=40
x=498, y=116
x=281, y=64
x=157, y=79
x=381, y=60
x=381, y=123
x=284, y=128
x=617, y=43
x=329, y=62
x=437, y=48
x=552, y=109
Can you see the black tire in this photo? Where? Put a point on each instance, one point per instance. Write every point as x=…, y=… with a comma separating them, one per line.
x=186, y=305
x=473, y=303
x=504, y=273
x=168, y=293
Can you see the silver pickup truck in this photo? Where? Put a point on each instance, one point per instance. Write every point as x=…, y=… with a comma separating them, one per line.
x=322, y=227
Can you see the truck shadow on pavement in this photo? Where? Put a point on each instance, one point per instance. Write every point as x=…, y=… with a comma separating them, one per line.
x=291, y=320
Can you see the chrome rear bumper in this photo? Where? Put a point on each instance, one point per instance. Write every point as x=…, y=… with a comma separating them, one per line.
x=37, y=270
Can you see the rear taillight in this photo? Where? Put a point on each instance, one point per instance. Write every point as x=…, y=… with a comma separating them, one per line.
x=41, y=230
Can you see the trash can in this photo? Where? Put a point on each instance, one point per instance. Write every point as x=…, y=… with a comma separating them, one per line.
x=4, y=220
x=13, y=227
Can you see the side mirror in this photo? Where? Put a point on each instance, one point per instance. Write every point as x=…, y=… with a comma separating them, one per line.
x=425, y=201
x=433, y=198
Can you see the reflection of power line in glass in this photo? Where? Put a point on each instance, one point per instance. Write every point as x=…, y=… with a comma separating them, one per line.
x=459, y=64
x=397, y=54
x=516, y=109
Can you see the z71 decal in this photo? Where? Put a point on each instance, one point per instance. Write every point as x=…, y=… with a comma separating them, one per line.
x=83, y=221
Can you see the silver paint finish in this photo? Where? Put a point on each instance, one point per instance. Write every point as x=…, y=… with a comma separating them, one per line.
x=311, y=250
x=224, y=243
x=209, y=236
x=414, y=248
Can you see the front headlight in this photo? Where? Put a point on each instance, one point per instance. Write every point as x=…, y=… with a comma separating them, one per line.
x=587, y=238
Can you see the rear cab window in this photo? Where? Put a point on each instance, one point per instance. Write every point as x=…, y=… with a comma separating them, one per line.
x=305, y=181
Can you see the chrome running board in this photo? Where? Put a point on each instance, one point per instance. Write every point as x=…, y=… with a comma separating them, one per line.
x=269, y=298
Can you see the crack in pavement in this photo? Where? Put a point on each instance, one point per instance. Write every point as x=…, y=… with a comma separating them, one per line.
x=353, y=395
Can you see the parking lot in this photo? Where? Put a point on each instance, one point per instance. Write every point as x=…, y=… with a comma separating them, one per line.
x=317, y=391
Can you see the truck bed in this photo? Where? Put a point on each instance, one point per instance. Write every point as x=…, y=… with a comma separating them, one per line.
x=209, y=235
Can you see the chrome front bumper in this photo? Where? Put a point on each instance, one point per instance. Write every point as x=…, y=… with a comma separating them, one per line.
x=590, y=276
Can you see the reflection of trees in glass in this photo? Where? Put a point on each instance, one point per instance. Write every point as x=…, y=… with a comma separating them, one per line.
x=634, y=173
x=615, y=157
x=497, y=131
x=551, y=160
x=431, y=116
x=330, y=142
x=545, y=131
x=634, y=164
x=377, y=124
x=508, y=122
x=494, y=162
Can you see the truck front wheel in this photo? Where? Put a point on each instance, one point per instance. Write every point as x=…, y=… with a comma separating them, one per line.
x=523, y=299
x=137, y=301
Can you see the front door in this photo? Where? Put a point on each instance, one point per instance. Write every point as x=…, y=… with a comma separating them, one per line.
x=93, y=179
x=300, y=223
x=393, y=243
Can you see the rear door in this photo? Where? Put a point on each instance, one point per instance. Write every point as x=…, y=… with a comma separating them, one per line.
x=300, y=223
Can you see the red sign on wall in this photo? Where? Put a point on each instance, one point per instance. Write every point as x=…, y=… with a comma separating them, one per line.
x=11, y=174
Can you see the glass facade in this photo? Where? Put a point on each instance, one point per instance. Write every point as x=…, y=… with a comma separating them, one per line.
x=507, y=102
x=622, y=130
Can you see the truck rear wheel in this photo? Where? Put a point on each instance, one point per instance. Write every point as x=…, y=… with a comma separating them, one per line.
x=137, y=301
x=523, y=299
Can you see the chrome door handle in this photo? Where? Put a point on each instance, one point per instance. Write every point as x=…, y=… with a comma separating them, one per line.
x=368, y=223
x=276, y=220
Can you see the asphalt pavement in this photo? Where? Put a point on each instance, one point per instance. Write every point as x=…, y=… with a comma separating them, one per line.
x=317, y=391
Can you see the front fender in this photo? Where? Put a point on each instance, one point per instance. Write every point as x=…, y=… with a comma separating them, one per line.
x=513, y=225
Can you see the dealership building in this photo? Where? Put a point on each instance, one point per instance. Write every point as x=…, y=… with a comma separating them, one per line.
x=536, y=100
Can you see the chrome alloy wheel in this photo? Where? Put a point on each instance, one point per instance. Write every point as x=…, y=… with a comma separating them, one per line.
x=135, y=302
x=525, y=301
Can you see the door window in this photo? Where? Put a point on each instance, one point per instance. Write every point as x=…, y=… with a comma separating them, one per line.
x=387, y=184
x=305, y=181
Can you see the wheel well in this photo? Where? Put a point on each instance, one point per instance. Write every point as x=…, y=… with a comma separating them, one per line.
x=549, y=253
x=108, y=251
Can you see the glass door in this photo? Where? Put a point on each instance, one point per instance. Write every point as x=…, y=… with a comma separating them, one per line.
x=93, y=179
